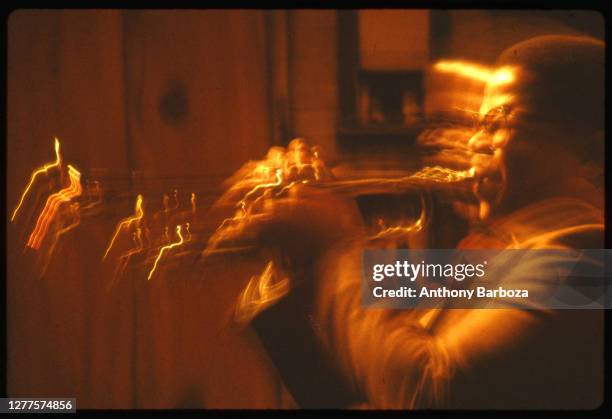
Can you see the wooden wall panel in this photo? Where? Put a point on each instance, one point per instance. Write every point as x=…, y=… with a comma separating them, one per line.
x=171, y=94
x=32, y=108
x=197, y=106
x=196, y=85
x=65, y=79
x=314, y=78
x=27, y=54
x=90, y=98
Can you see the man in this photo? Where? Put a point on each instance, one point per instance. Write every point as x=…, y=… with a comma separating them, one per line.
x=539, y=184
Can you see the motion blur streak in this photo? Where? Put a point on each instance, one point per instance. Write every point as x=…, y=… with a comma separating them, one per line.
x=301, y=164
x=44, y=169
x=125, y=258
x=164, y=248
x=258, y=182
x=75, y=212
x=52, y=205
x=261, y=292
x=402, y=230
x=139, y=213
x=503, y=75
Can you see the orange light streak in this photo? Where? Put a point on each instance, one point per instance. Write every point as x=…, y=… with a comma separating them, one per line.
x=278, y=182
x=242, y=204
x=168, y=247
x=392, y=231
x=139, y=213
x=260, y=293
x=52, y=205
x=503, y=75
x=43, y=169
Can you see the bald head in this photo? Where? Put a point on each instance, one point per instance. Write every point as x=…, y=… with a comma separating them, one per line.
x=546, y=121
x=560, y=81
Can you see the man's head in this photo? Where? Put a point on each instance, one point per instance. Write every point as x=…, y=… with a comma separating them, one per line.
x=541, y=120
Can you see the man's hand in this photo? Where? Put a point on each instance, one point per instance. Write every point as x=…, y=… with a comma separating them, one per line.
x=304, y=221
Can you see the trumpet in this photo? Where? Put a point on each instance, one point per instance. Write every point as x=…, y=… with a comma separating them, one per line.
x=429, y=178
x=249, y=207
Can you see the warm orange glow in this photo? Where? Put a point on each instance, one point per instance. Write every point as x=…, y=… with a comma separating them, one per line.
x=443, y=175
x=428, y=176
x=499, y=76
x=52, y=205
x=279, y=180
x=402, y=230
x=267, y=179
x=164, y=248
x=241, y=215
x=396, y=230
x=44, y=169
x=139, y=213
x=193, y=203
x=406, y=359
x=494, y=101
x=260, y=293
x=299, y=164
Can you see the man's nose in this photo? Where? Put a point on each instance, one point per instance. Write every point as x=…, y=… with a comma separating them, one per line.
x=486, y=158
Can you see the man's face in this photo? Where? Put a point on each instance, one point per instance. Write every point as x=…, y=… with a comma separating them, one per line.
x=496, y=126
